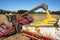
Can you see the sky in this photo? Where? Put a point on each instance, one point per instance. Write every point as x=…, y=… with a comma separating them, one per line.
x=14, y=5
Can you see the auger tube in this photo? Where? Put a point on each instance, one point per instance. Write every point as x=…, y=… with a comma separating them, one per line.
x=43, y=6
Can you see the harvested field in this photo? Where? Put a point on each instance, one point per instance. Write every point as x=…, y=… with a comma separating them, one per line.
x=3, y=19
x=16, y=37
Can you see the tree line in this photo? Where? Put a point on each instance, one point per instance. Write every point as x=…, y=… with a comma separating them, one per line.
x=23, y=11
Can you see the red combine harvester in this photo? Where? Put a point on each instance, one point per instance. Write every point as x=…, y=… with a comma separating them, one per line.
x=21, y=19
x=17, y=21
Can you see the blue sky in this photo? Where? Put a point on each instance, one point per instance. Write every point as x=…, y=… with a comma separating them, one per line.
x=28, y=4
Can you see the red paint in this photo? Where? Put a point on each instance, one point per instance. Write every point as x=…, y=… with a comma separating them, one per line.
x=44, y=38
x=22, y=19
x=7, y=30
x=34, y=35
